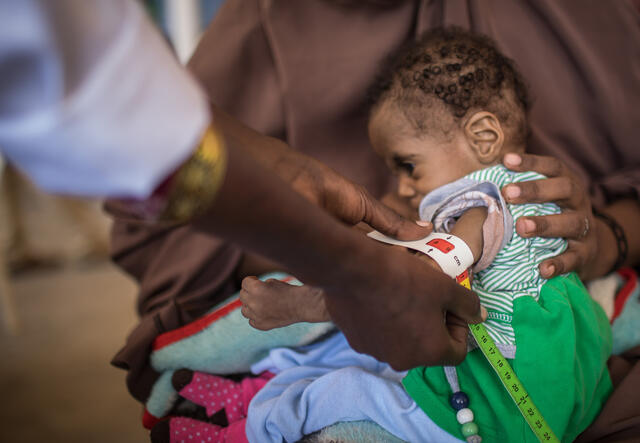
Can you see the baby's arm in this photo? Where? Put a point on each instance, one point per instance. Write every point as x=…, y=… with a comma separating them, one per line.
x=274, y=304
x=469, y=229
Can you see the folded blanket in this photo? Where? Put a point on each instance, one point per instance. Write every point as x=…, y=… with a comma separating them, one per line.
x=220, y=342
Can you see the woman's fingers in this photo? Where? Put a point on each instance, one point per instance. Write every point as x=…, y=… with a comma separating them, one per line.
x=465, y=305
x=563, y=190
x=548, y=166
x=569, y=260
x=561, y=185
x=576, y=223
x=576, y=227
x=384, y=219
x=571, y=225
x=458, y=332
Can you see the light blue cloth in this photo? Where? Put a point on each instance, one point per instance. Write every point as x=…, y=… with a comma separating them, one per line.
x=441, y=205
x=625, y=330
x=328, y=382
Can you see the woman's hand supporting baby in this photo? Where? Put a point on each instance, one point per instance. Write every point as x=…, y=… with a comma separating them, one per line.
x=592, y=247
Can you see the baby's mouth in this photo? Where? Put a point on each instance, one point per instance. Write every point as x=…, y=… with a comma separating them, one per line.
x=415, y=202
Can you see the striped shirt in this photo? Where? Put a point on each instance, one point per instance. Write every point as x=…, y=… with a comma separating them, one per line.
x=514, y=271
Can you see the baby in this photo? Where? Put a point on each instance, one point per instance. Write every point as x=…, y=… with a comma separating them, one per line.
x=446, y=111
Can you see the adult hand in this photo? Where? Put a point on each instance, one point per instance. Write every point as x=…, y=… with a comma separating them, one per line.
x=409, y=315
x=351, y=202
x=388, y=303
x=576, y=223
x=320, y=184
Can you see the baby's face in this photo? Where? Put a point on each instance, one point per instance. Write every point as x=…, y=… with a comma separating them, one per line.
x=421, y=163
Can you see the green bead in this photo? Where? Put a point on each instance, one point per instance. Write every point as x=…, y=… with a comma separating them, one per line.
x=469, y=429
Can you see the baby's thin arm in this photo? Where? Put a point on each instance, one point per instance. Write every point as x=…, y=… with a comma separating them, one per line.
x=468, y=228
x=274, y=304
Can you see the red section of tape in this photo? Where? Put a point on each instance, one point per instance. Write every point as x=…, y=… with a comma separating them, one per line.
x=461, y=277
x=442, y=245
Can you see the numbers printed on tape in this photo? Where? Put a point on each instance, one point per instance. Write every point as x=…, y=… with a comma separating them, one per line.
x=454, y=257
x=513, y=385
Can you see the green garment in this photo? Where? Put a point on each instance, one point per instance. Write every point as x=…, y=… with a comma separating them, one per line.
x=563, y=342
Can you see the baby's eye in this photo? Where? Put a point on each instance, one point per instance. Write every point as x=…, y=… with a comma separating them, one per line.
x=403, y=165
x=406, y=167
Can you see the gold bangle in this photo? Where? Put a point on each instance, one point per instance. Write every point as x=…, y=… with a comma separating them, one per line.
x=198, y=180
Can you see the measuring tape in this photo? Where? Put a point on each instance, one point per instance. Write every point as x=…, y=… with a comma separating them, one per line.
x=508, y=377
x=454, y=256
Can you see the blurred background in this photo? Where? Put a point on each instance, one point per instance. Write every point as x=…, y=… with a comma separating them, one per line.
x=64, y=308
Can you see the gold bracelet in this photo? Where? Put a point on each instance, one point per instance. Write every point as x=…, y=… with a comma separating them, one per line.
x=196, y=183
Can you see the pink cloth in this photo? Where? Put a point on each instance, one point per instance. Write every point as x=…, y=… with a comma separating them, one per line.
x=185, y=430
x=299, y=70
x=216, y=393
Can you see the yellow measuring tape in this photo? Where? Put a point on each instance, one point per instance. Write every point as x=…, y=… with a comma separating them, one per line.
x=508, y=377
x=454, y=257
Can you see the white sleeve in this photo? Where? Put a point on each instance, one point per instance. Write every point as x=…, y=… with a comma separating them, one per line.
x=92, y=101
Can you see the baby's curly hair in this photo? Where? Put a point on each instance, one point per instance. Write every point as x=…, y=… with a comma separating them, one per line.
x=446, y=75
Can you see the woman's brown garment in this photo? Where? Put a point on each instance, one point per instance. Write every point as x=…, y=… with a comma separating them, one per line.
x=299, y=70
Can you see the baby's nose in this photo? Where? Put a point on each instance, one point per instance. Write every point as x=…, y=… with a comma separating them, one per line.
x=405, y=189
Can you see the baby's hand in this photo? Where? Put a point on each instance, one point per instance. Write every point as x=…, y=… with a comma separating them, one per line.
x=274, y=304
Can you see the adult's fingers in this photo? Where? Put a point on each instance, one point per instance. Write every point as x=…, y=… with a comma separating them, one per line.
x=566, y=225
x=567, y=261
x=381, y=217
x=563, y=190
x=465, y=305
x=451, y=348
x=548, y=166
x=458, y=331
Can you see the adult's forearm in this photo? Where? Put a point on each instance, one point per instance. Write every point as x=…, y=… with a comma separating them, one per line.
x=271, y=153
x=345, y=200
x=259, y=212
x=386, y=302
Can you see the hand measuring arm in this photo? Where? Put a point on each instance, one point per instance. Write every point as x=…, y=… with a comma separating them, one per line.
x=454, y=257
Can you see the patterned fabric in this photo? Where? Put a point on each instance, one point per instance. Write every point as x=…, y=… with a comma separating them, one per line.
x=514, y=271
x=563, y=337
x=216, y=393
x=188, y=430
x=222, y=332
x=564, y=341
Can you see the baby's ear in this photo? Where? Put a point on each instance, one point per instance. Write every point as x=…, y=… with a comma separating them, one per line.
x=485, y=136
